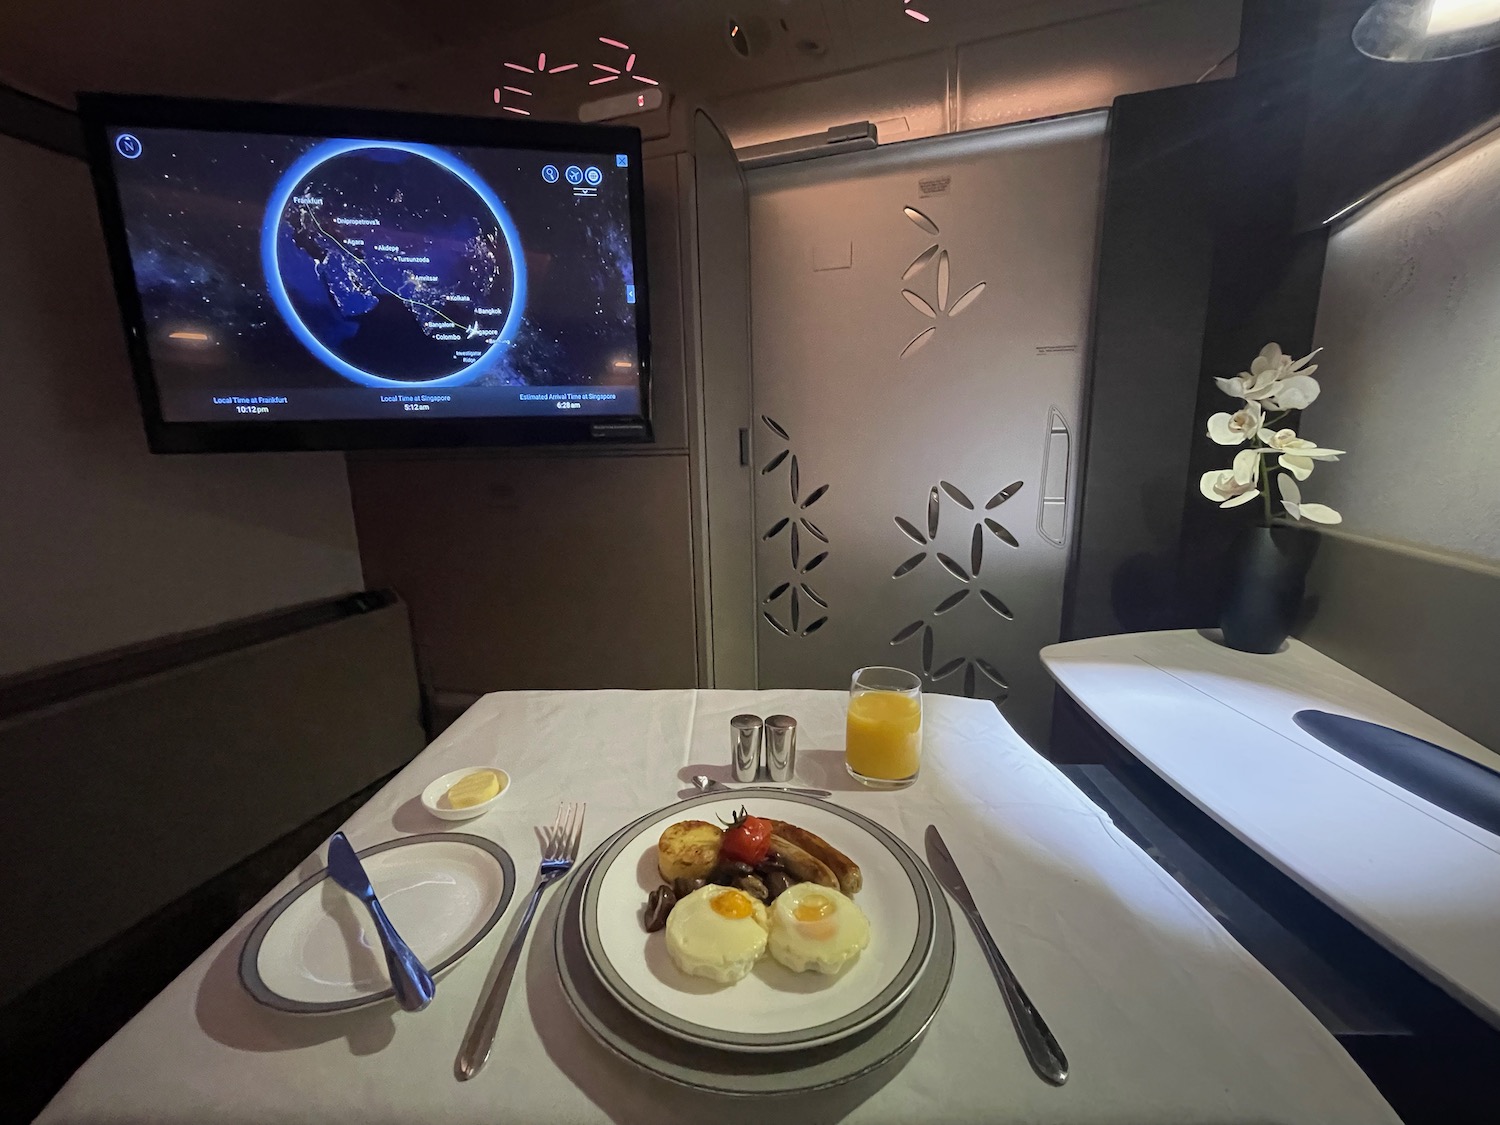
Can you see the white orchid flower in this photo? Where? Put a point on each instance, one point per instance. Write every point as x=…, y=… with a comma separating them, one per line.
x=1291, y=500
x=1296, y=455
x=1251, y=388
x=1236, y=428
x=1296, y=392
x=1226, y=486
x=1276, y=379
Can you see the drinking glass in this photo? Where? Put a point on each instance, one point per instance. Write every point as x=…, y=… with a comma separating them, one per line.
x=883, y=740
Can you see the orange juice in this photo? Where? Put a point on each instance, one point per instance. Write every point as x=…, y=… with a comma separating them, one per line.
x=884, y=735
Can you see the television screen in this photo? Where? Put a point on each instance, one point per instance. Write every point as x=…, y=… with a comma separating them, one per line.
x=298, y=277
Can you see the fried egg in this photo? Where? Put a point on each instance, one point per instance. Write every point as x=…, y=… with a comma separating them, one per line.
x=817, y=929
x=717, y=932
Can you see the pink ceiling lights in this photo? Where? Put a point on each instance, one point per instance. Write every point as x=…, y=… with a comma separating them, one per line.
x=599, y=73
x=914, y=14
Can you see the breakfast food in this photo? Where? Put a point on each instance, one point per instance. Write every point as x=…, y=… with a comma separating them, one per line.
x=816, y=929
x=473, y=789
x=688, y=849
x=844, y=869
x=718, y=933
x=802, y=864
x=718, y=883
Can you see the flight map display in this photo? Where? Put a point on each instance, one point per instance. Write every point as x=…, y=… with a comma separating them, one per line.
x=310, y=279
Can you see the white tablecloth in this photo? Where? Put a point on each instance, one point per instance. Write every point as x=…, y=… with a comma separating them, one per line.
x=1163, y=1016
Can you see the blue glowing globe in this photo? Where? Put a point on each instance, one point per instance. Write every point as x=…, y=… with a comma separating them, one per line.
x=393, y=263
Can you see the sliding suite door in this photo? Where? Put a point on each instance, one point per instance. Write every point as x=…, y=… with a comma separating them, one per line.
x=920, y=314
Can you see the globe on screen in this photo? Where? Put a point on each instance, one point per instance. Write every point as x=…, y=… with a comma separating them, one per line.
x=392, y=264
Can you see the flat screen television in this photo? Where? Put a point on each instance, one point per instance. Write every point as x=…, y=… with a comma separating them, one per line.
x=296, y=277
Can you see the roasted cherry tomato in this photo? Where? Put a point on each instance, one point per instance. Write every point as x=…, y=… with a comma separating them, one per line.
x=747, y=840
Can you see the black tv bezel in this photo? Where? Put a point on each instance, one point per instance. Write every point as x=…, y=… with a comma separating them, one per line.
x=101, y=113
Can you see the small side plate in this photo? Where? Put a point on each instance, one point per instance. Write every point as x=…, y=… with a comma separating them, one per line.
x=434, y=797
x=314, y=951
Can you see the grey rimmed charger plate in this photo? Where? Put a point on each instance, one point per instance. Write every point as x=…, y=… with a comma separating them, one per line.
x=738, y=1073
x=316, y=954
x=773, y=1009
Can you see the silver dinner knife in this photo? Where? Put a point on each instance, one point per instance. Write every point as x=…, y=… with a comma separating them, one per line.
x=411, y=981
x=1041, y=1048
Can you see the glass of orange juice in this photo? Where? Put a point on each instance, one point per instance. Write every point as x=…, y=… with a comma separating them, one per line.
x=883, y=741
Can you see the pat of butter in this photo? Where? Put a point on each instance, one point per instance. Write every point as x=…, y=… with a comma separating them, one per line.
x=474, y=789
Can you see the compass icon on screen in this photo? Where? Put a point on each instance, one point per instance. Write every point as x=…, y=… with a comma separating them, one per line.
x=128, y=145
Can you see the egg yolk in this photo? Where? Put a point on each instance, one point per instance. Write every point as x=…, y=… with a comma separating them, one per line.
x=732, y=904
x=813, y=908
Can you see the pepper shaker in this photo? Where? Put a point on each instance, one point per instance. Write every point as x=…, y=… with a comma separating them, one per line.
x=781, y=747
x=744, y=746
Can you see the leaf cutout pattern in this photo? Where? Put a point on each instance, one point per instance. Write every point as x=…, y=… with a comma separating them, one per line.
x=814, y=496
x=796, y=481
x=815, y=626
x=814, y=595
x=919, y=303
x=952, y=567
x=927, y=639
x=911, y=532
x=774, y=461
x=917, y=341
x=967, y=299
x=953, y=491
x=943, y=280
x=990, y=671
x=1001, y=532
x=814, y=529
x=920, y=219
x=907, y=633
x=796, y=548
x=796, y=610
x=776, y=529
x=1003, y=495
x=950, y=602
x=976, y=550
x=969, y=681
x=815, y=562
x=949, y=668
x=776, y=593
x=909, y=565
x=997, y=605
x=932, y=513
x=775, y=427
x=777, y=625
x=919, y=262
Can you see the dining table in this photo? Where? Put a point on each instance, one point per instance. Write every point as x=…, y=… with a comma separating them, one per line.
x=1163, y=1016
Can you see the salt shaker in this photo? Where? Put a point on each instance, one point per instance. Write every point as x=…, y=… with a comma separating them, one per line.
x=744, y=746
x=781, y=747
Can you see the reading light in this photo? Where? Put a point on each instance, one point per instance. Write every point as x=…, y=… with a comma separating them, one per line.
x=1427, y=30
x=914, y=14
x=737, y=39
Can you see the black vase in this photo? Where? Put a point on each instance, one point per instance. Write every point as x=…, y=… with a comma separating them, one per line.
x=1268, y=574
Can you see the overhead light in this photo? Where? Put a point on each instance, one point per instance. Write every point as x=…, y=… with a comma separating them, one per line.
x=739, y=42
x=1427, y=30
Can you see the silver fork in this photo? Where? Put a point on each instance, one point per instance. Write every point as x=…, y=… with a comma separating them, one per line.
x=559, y=851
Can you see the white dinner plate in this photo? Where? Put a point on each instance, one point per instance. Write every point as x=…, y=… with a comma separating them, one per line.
x=772, y=1009
x=737, y=1073
x=316, y=950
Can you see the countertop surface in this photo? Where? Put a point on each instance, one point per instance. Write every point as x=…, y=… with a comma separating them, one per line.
x=1217, y=725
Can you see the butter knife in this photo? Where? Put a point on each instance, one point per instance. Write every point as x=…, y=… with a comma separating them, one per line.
x=411, y=982
x=1041, y=1048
